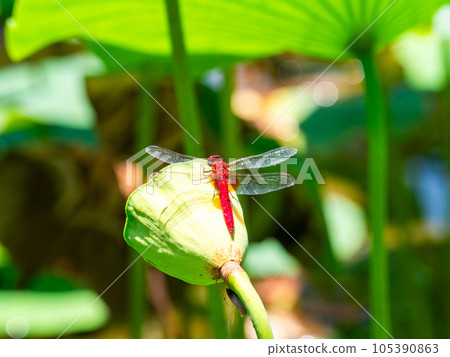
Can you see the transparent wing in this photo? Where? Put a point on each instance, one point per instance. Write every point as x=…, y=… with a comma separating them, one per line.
x=268, y=158
x=263, y=183
x=166, y=155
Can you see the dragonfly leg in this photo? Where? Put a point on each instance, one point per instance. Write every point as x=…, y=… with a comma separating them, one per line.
x=215, y=194
x=200, y=179
x=207, y=173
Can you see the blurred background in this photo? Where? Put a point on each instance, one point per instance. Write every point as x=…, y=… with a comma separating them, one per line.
x=70, y=117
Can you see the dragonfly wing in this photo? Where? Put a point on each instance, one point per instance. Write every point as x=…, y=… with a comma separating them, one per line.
x=166, y=155
x=268, y=158
x=263, y=183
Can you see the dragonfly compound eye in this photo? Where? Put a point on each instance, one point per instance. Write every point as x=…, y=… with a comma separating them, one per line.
x=213, y=159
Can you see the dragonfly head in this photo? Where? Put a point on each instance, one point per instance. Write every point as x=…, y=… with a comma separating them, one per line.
x=213, y=159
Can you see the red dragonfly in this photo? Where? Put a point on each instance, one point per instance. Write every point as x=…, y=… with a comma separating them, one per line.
x=243, y=184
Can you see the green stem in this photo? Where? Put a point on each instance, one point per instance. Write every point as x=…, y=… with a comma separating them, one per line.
x=239, y=282
x=216, y=312
x=137, y=284
x=143, y=136
x=377, y=151
x=444, y=289
x=184, y=86
x=232, y=142
x=145, y=128
x=237, y=330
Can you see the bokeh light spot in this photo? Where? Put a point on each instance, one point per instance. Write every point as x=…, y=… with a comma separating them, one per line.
x=17, y=327
x=325, y=94
x=246, y=103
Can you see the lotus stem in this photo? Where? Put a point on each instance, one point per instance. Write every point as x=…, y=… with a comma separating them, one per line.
x=377, y=151
x=216, y=312
x=233, y=142
x=137, y=284
x=239, y=282
x=184, y=85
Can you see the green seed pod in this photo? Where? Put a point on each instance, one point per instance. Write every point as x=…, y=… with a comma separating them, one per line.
x=175, y=222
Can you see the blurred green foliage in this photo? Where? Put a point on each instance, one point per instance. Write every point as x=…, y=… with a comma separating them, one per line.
x=38, y=314
x=51, y=92
x=268, y=258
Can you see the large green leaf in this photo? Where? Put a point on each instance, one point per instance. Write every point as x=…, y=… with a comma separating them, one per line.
x=220, y=28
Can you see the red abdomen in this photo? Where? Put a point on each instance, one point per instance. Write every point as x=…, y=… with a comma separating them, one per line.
x=220, y=177
x=225, y=203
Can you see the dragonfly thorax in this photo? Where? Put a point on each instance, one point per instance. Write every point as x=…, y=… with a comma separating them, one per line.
x=219, y=168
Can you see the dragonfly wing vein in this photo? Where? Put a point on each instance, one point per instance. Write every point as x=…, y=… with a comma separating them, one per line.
x=266, y=159
x=263, y=183
x=166, y=155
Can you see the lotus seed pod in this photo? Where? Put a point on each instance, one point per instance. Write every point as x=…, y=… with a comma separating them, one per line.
x=175, y=222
